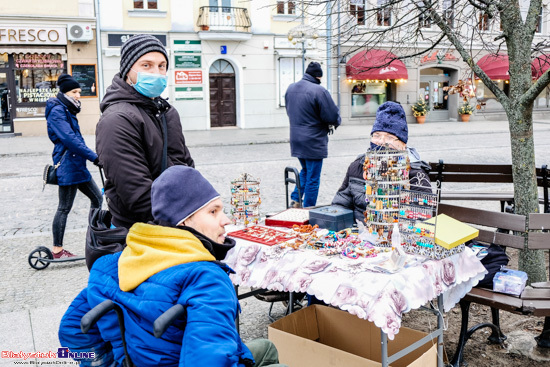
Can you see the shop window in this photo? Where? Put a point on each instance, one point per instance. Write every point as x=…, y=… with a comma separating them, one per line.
x=290, y=71
x=286, y=7
x=357, y=10
x=448, y=12
x=35, y=81
x=148, y=4
x=367, y=96
x=383, y=14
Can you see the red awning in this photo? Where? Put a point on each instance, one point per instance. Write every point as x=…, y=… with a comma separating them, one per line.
x=375, y=65
x=495, y=66
x=539, y=65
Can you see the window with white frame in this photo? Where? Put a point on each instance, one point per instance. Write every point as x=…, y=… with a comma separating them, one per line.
x=286, y=7
x=483, y=22
x=357, y=10
x=448, y=12
x=538, y=28
x=424, y=20
x=146, y=4
x=290, y=71
x=383, y=15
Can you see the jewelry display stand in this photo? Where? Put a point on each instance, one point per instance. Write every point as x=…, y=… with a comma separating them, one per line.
x=245, y=200
x=387, y=172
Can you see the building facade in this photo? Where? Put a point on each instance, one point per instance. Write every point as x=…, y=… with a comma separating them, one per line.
x=36, y=46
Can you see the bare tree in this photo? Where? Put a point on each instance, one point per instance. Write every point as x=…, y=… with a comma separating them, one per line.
x=414, y=28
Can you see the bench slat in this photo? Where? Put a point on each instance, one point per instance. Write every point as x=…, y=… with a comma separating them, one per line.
x=539, y=221
x=466, y=177
x=503, y=239
x=539, y=241
x=536, y=294
x=541, y=285
x=501, y=301
x=536, y=308
x=487, y=218
x=474, y=168
x=488, y=196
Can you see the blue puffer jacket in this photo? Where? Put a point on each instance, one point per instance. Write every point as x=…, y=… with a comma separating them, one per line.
x=161, y=267
x=64, y=132
x=311, y=110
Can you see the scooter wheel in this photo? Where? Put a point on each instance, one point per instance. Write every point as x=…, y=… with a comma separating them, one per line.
x=36, y=256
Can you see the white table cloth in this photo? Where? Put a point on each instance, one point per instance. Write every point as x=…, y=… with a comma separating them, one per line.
x=354, y=285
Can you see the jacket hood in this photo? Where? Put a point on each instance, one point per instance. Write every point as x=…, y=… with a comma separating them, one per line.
x=151, y=249
x=121, y=92
x=50, y=104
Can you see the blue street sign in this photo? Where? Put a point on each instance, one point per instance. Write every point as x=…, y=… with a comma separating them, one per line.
x=223, y=49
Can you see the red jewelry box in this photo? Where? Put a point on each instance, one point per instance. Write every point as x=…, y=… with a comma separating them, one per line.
x=264, y=235
x=288, y=218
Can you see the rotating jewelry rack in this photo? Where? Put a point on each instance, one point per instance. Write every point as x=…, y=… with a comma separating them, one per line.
x=386, y=172
x=245, y=200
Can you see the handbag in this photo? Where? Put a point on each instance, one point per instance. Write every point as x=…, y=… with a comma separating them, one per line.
x=49, y=176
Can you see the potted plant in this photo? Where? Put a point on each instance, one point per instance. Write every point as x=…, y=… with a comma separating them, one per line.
x=465, y=111
x=420, y=110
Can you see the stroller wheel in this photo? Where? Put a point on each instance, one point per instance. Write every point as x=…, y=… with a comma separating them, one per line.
x=36, y=256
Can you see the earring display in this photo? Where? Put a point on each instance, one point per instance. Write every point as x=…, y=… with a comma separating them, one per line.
x=245, y=200
x=386, y=172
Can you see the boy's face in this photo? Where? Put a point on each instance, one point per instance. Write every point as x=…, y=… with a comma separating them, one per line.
x=152, y=62
x=210, y=221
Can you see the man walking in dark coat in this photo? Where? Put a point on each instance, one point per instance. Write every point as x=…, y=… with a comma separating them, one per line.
x=313, y=115
x=136, y=129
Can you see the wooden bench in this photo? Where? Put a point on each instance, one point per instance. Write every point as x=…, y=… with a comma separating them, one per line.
x=441, y=172
x=504, y=229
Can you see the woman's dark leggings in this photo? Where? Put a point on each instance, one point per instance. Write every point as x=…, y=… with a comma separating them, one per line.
x=66, y=200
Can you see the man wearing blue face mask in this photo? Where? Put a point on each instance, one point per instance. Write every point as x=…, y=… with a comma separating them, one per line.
x=136, y=128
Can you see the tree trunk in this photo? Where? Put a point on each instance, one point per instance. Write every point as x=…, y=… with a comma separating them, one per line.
x=525, y=185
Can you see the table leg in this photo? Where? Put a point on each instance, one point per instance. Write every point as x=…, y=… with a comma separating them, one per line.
x=290, y=302
x=440, y=324
x=384, y=347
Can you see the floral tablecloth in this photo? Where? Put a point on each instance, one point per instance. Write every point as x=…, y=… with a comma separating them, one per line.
x=354, y=285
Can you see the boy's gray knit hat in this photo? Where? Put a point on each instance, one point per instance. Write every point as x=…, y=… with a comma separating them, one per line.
x=136, y=47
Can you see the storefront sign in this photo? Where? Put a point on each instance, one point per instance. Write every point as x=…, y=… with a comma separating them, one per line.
x=188, y=76
x=187, y=46
x=85, y=76
x=30, y=111
x=116, y=40
x=187, y=61
x=189, y=93
x=36, y=94
x=33, y=35
x=438, y=56
x=38, y=61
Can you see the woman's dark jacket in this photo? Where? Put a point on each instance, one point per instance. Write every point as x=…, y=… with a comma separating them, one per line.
x=129, y=141
x=351, y=194
x=311, y=110
x=64, y=132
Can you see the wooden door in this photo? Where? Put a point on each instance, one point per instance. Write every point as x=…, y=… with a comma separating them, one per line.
x=222, y=100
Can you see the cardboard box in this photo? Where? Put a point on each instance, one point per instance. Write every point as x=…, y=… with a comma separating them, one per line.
x=333, y=218
x=323, y=336
x=288, y=218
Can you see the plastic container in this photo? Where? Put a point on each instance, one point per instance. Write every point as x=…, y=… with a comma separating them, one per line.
x=333, y=218
x=509, y=281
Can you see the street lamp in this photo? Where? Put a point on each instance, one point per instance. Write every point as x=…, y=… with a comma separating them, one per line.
x=303, y=34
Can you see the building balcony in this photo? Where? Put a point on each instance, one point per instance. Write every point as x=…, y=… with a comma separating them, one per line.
x=223, y=23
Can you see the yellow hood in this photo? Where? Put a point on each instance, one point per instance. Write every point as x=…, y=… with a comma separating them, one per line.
x=151, y=249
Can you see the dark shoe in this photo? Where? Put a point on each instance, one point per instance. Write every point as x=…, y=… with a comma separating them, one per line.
x=295, y=204
x=63, y=254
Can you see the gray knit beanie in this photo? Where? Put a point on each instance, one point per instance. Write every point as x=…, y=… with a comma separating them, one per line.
x=136, y=47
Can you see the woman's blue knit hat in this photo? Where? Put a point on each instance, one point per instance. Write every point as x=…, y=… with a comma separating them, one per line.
x=178, y=193
x=391, y=118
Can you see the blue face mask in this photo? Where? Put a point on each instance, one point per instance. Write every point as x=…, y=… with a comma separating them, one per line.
x=150, y=85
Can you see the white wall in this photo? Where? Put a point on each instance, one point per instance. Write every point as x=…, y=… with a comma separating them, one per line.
x=111, y=14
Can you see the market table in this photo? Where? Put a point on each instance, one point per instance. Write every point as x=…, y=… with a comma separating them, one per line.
x=359, y=286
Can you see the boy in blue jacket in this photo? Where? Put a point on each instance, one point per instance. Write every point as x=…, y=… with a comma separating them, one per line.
x=174, y=260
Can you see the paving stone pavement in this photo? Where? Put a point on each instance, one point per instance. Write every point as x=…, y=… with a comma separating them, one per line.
x=32, y=302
